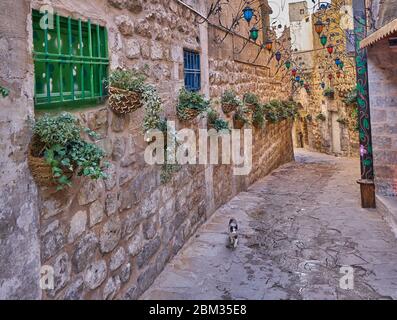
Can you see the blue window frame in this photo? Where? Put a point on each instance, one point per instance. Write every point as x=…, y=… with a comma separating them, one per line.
x=192, y=70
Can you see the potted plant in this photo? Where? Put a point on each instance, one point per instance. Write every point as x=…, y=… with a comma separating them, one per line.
x=321, y=117
x=241, y=117
x=125, y=89
x=229, y=101
x=329, y=93
x=215, y=122
x=57, y=151
x=258, y=116
x=250, y=100
x=190, y=105
x=351, y=98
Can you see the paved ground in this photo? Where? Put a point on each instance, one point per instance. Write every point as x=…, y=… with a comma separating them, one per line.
x=298, y=226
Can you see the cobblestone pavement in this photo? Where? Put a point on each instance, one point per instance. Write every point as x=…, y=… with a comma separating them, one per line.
x=298, y=226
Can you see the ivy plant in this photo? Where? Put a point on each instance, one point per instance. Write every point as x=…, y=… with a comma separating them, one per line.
x=190, y=100
x=59, y=141
x=251, y=98
x=230, y=97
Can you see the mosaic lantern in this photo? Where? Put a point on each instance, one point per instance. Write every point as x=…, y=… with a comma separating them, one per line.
x=323, y=40
x=248, y=13
x=254, y=33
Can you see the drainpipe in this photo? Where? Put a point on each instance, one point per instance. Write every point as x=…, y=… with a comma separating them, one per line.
x=366, y=182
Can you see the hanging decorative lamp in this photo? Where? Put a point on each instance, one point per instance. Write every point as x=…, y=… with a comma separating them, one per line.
x=338, y=74
x=322, y=85
x=323, y=40
x=288, y=64
x=248, y=13
x=293, y=72
x=269, y=44
x=254, y=33
x=330, y=49
x=278, y=56
x=337, y=61
x=319, y=26
x=330, y=76
x=341, y=65
x=297, y=78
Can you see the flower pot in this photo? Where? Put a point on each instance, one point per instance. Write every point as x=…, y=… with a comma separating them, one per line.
x=227, y=108
x=188, y=114
x=238, y=124
x=124, y=101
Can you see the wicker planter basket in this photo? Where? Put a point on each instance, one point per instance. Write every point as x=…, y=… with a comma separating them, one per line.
x=124, y=101
x=41, y=171
x=188, y=114
x=227, y=108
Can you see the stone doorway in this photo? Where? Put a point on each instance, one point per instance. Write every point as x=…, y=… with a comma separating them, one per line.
x=336, y=133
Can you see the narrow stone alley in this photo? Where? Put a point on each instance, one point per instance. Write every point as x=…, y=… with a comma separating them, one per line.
x=297, y=227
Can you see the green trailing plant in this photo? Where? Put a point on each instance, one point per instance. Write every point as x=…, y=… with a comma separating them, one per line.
x=354, y=116
x=230, y=97
x=329, y=92
x=129, y=80
x=153, y=107
x=321, y=117
x=277, y=110
x=241, y=115
x=343, y=121
x=258, y=117
x=351, y=97
x=251, y=98
x=132, y=80
x=58, y=139
x=189, y=101
x=4, y=92
x=215, y=121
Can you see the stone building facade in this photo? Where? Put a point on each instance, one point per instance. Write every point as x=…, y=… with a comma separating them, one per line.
x=110, y=239
x=328, y=125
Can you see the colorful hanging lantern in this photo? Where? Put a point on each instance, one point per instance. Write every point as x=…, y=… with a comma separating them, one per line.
x=302, y=82
x=278, y=56
x=248, y=13
x=297, y=78
x=293, y=72
x=330, y=76
x=338, y=74
x=269, y=44
x=288, y=64
x=322, y=85
x=330, y=49
x=323, y=40
x=254, y=33
x=319, y=26
x=306, y=86
x=337, y=61
x=341, y=65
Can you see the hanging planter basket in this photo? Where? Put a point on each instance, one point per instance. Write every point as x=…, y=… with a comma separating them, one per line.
x=40, y=169
x=227, y=107
x=124, y=101
x=250, y=106
x=187, y=114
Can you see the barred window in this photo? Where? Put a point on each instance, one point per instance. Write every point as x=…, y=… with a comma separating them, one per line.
x=192, y=70
x=70, y=62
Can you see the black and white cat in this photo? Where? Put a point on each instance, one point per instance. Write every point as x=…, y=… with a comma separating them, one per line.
x=233, y=236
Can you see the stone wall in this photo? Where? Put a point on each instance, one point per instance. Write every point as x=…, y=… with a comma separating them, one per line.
x=382, y=66
x=110, y=239
x=19, y=223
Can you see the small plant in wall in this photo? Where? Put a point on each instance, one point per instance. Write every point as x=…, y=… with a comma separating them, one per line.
x=329, y=93
x=309, y=117
x=343, y=121
x=351, y=98
x=230, y=102
x=4, y=92
x=57, y=151
x=241, y=117
x=190, y=105
x=215, y=122
x=321, y=117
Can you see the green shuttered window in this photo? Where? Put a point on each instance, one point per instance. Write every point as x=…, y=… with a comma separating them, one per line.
x=71, y=62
